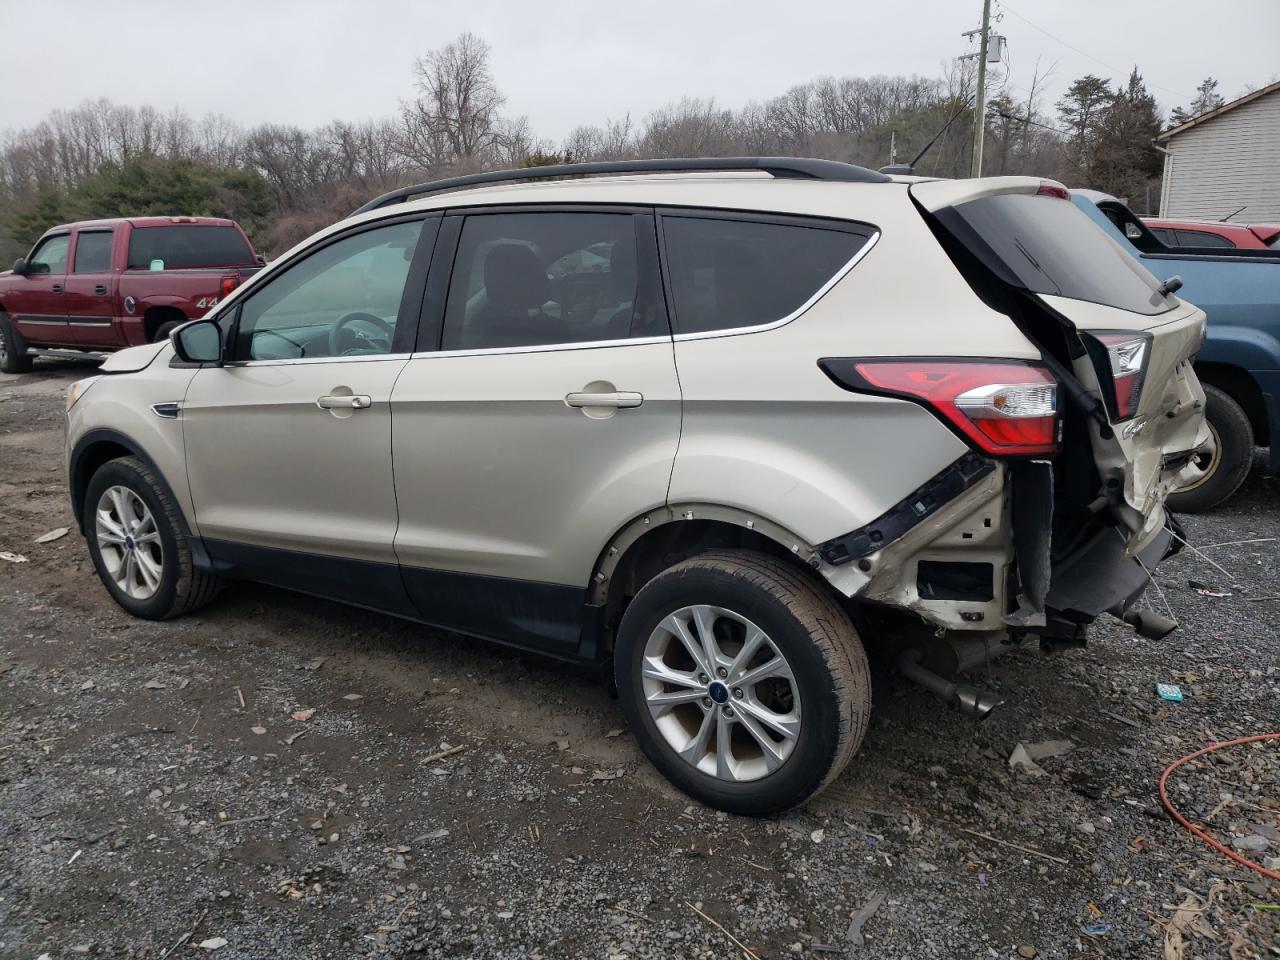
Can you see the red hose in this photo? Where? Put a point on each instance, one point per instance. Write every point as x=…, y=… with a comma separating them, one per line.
x=1164, y=797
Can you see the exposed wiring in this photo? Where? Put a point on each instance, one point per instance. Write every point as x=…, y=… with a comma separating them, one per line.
x=1164, y=798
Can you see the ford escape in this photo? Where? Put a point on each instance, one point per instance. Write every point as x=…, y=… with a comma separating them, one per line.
x=705, y=424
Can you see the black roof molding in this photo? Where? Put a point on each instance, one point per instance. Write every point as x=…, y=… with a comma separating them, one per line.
x=794, y=168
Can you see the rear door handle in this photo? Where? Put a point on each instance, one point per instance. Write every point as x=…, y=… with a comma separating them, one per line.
x=57, y=288
x=344, y=402
x=619, y=398
x=100, y=289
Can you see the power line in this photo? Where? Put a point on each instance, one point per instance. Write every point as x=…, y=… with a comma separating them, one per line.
x=1116, y=70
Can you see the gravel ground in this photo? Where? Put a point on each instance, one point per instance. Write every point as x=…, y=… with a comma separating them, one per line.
x=450, y=799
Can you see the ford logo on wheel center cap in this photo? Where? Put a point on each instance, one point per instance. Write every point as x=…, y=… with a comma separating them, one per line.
x=718, y=692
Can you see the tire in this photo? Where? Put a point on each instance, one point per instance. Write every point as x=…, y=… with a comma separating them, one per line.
x=814, y=638
x=13, y=349
x=179, y=587
x=163, y=331
x=1232, y=458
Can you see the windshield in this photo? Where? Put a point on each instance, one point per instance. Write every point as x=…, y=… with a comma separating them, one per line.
x=1046, y=245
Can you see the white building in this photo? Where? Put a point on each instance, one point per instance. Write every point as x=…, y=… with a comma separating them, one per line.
x=1225, y=159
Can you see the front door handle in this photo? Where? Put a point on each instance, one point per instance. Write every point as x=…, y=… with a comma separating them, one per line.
x=344, y=402
x=616, y=399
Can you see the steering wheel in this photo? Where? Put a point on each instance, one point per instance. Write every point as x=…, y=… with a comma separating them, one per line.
x=339, y=329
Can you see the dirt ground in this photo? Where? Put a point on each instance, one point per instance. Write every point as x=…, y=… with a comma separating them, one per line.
x=451, y=799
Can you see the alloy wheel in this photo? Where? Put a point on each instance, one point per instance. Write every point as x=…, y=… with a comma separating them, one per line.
x=129, y=542
x=1208, y=463
x=721, y=693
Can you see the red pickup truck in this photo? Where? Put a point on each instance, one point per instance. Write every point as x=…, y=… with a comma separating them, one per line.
x=101, y=285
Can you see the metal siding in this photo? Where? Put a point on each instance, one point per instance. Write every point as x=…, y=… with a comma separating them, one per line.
x=1226, y=163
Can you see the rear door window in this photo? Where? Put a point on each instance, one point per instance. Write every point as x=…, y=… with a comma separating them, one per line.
x=1047, y=245
x=547, y=278
x=727, y=273
x=187, y=246
x=93, y=252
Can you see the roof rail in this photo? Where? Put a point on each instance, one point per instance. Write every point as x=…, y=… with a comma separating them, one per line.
x=796, y=168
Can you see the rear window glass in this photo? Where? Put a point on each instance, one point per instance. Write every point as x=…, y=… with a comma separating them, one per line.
x=744, y=273
x=1047, y=245
x=1200, y=238
x=187, y=246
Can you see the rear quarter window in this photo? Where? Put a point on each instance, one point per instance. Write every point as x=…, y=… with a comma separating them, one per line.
x=1046, y=245
x=186, y=246
x=732, y=273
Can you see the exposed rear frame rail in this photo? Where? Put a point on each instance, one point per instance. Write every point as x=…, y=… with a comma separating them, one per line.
x=792, y=168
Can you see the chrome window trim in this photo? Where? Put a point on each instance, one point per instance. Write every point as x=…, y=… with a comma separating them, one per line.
x=361, y=358
x=541, y=347
x=703, y=335
x=821, y=292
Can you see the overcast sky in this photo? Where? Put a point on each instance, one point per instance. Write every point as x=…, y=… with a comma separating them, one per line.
x=562, y=64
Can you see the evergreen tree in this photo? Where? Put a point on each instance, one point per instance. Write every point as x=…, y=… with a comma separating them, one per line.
x=1207, y=98
x=1122, y=160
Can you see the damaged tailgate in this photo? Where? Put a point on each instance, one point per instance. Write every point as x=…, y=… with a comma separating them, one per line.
x=1128, y=342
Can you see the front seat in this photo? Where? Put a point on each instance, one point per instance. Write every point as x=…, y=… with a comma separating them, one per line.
x=516, y=288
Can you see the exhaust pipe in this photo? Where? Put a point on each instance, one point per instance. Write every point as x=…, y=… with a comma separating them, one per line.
x=970, y=700
x=1149, y=624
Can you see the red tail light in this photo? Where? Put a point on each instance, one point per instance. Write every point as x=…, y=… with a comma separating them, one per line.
x=1126, y=364
x=1006, y=407
x=229, y=284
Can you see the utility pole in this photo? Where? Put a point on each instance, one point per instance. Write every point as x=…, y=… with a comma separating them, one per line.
x=979, y=103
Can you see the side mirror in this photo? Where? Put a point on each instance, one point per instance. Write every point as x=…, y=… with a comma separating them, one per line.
x=198, y=342
x=20, y=266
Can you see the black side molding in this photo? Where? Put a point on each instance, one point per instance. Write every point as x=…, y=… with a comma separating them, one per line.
x=902, y=516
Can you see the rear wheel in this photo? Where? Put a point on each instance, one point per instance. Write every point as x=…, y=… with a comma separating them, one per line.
x=1226, y=468
x=163, y=331
x=138, y=545
x=743, y=682
x=13, y=349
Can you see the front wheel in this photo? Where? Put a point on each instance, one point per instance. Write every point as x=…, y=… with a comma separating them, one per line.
x=1227, y=466
x=743, y=682
x=13, y=351
x=138, y=546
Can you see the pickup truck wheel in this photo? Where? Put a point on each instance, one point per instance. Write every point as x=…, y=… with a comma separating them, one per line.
x=138, y=545
x=743, y=682
x=163, y=331
x=13, y=349
x=1228, y=466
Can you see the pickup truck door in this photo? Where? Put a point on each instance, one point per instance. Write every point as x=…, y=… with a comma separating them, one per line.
x=37, y=305
x=288, y=445
x=89, y=290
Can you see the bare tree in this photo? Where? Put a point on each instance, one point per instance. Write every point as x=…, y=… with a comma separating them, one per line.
x=454, y=120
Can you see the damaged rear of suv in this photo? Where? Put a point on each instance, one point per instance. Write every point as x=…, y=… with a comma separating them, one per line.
x=704, y=430
x=1073, y=454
